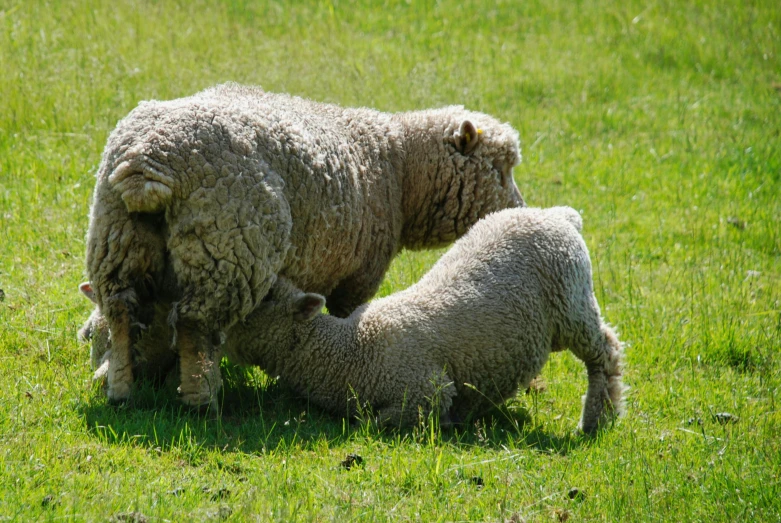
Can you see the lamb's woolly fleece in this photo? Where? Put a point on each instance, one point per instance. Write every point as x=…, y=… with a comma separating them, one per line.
x=480, y=324
x=231, y=187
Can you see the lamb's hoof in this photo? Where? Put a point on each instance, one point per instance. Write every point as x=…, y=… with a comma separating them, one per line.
x=118, y=393
x=592, y=427
x=589, y=430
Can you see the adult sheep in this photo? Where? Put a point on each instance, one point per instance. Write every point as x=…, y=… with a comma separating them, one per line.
x=478, y=325
x=228, y=189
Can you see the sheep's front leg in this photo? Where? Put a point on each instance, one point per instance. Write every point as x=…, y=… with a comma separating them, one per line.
x=200, y=367
x=409, y=415
x=120, y=311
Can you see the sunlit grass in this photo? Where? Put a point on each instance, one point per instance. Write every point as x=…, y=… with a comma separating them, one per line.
x=660, y=122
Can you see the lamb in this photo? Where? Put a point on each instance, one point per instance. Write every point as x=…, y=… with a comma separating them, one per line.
x=478, y=325
x=219, y=194
x=153, y=357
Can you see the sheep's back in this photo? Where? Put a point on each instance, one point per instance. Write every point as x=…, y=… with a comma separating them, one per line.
x=332, y=166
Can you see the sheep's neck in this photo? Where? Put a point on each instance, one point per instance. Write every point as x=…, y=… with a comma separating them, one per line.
x=427, y=223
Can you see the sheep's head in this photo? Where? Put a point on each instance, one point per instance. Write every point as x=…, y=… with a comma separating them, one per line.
x=458, y=169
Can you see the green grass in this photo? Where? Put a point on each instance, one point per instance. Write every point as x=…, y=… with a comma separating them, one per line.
x=659, y=120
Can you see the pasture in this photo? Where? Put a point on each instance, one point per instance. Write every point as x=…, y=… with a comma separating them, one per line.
x=659, y=121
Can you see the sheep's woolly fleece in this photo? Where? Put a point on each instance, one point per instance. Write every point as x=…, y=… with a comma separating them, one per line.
x=230, y=188
x=480, y=324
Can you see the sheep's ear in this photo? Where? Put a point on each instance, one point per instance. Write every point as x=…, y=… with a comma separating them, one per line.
x=86, y=289
x=307, y=306
x=467, y=137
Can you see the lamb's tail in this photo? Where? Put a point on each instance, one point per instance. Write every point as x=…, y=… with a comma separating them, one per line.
x=569, y=214
x=145, y=184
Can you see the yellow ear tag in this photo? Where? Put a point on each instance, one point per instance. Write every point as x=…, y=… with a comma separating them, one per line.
x=468, y=137
x=479, y=131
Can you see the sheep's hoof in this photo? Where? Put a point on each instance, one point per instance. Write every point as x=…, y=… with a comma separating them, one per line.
x=116, y=402
x=204, y=406
x=194, y=400
x=118, y=393
x=589, y=429
x=208, y=410
x=451, y=420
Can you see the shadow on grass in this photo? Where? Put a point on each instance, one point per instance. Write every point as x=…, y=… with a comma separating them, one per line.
x=255, y=418
x=260, y=415
x=513, y=426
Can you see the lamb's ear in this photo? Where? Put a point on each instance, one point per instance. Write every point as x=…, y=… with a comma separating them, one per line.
x=467, y=137
x=86, y=289
x=307, y=306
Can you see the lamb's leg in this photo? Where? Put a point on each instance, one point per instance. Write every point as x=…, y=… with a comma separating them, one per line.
x=120, y=312
x=200, y=367
x=603, y=359
x=408, y=415
x=434, y=393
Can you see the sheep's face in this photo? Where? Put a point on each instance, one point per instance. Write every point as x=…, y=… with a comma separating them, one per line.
x=459, y=169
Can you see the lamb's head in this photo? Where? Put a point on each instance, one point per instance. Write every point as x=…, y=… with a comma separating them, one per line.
x=457, y=169
x=274, y=325
x=95, y=330
x=153, y=356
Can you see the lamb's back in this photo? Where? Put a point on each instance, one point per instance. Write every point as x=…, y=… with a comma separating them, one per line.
x=508, y=253
x=487, y=309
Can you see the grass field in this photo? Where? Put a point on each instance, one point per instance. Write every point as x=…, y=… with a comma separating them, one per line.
x=660, y=121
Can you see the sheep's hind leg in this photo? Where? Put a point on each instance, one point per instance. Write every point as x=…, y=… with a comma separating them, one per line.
x=200, y=368
x=603, y=400
x=120, y=313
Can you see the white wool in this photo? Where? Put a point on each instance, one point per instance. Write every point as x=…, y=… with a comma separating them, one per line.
x=218, y=194
x=478, y=325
